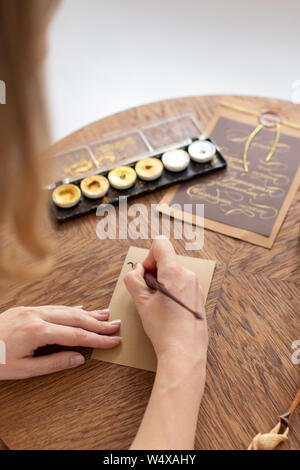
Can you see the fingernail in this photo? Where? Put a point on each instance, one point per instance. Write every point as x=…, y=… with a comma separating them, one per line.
x=101, y=315
x=139, y=267
x=77, y=360
x=104, y=310
x=115, y=339
x=115, y=322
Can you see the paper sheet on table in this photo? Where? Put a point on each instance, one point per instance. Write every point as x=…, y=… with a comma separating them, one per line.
x=136, y=349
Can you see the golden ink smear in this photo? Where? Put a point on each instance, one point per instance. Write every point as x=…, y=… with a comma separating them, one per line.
x=80, y=167
x=106, y=159
x=120, y=145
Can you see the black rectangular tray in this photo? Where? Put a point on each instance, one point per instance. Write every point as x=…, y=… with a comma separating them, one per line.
x=140, y=188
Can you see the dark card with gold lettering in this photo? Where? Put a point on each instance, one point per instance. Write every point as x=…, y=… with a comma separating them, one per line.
x=247, y=205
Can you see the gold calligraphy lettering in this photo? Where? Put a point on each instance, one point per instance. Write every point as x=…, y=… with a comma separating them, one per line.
x=238, y=136
x=228, y=206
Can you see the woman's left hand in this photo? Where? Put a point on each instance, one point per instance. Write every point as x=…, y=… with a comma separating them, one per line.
x=24, y=329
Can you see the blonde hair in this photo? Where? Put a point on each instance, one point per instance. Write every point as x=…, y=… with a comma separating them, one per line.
x=24, y=135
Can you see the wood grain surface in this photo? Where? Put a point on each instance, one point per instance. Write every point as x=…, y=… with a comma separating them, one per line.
x=253, y=316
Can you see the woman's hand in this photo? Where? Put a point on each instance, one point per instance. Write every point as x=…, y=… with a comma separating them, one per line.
x=171, y=328
x=180, y=342
x=24, y=329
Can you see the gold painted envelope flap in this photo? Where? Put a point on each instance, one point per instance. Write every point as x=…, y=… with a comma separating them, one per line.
x=136, y=349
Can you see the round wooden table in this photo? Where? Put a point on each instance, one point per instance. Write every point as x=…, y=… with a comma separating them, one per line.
x=252, y=315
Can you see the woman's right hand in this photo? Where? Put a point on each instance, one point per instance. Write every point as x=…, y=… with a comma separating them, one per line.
x=24, y=329
x=173, y=331
x=180, y=342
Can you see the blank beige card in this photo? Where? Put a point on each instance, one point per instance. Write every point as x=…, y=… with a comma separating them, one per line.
x=136, y=349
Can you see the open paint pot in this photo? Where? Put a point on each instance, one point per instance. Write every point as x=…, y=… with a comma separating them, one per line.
x=94, y=186
x=122, y=177
x=66, y=195
x=202, y=151
x=149, y=169
x=176, y=160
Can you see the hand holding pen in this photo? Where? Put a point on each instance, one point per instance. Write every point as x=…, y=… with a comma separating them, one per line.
x=150, y=277
x=166, y=316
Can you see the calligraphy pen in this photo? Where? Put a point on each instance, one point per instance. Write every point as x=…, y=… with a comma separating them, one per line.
x=150, y=277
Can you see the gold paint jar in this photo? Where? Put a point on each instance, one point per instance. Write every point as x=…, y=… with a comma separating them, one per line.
x=66, y=195
x=122, y=177
x=149, y=169
x=94, y=186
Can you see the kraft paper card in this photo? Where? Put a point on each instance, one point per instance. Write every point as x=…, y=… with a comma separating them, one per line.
x=136, y=349
x=250, y=206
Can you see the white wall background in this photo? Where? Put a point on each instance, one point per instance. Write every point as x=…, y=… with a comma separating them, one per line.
x=109, y=55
